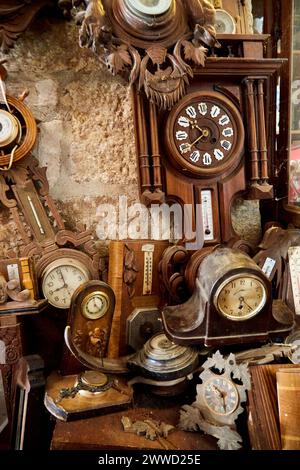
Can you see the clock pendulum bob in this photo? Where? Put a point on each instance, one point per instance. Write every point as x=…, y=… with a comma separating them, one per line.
x=231, y=304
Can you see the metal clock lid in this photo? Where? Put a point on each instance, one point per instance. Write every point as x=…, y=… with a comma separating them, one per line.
x=164, y=360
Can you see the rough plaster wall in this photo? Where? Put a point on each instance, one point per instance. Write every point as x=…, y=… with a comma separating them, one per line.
x=86, y=136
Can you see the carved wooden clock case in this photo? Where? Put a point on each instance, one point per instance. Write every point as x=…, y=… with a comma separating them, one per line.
x=215, y=143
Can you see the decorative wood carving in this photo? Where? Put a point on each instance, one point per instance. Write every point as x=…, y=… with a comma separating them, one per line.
x=141, y=45
x=249, y=84
x=15, y=17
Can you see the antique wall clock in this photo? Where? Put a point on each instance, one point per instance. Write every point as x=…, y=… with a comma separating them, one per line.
x=214, y=144
x=205, y=134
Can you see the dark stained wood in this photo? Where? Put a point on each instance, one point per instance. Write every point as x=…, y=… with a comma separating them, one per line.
x=263, y=421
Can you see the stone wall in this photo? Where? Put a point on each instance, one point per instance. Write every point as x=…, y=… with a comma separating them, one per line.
x=86, y=134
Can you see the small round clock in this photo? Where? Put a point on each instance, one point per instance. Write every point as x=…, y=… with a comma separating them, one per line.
x=205, y=134
x=220, y=395
x=224, y=23
x=60, y=280
x=18, y=131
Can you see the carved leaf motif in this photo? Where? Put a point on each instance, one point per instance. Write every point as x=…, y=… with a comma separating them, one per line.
x=119, y=59
x=195, y=54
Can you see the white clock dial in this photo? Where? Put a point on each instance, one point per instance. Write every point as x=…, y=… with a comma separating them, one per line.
x=221, y=396
x=224, y=23
x=183, y=121
x=9, y=128
x=60, y=281
x=150, y=7
x=95, y=306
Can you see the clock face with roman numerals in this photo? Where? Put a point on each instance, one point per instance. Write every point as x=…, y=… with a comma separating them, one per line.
x=205, y=134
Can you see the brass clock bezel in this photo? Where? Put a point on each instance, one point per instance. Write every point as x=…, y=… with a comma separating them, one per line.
x=230, y=279
x=232, y=384
x=230, y=162
x=86, y=300
x=64, y=261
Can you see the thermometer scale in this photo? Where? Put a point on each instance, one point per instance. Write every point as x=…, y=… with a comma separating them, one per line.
x=207, y=215
x=148, y=269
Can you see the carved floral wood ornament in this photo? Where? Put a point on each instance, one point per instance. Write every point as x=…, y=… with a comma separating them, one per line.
x=155, y=42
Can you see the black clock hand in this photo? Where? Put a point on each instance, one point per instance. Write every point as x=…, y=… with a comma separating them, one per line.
x=243, y=300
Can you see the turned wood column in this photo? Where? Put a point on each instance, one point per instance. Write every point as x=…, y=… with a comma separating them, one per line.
x=141, y=143
x=252, y=133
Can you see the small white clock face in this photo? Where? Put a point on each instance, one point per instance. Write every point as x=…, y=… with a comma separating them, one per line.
x=241, y=298
x=8, y=128
x=221, y=396
x=61, y=281
x=95, y=306
x=224, y=23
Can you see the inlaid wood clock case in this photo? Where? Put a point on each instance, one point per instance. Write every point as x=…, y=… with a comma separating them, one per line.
x=217, y=142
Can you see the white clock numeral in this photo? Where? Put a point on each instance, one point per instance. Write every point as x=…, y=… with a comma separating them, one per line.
x=202, y=108
x=183, y=121
x=195, y=156
x=190, y=111
x=224, y=120
x=218, y=154
x=207, y=160
x=226, y=145
x=185, y=148
x=181, y=135
x=215, y=111
x=228, y=132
